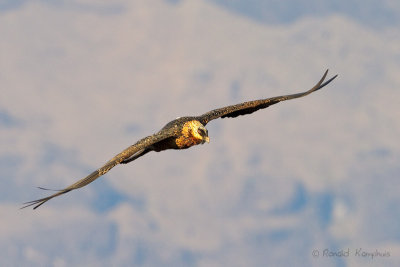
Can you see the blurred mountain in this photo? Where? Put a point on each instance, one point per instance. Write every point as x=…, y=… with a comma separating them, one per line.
x=372, y=13
x=82, y=80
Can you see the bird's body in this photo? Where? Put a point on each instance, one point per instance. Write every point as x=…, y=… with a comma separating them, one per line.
x=181, y=133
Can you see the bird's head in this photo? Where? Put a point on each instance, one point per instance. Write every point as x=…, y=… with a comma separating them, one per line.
x=197, y=132
x=202, y=134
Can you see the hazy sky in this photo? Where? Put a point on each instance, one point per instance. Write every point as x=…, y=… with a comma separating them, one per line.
x=290, y=185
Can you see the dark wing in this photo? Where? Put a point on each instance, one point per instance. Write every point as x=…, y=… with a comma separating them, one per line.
x=252, y=106
x=124, y=155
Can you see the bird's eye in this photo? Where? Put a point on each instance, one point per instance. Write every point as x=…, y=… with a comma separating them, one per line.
x=201, y=131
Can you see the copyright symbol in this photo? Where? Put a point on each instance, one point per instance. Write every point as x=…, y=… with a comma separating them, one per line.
x=315, y=253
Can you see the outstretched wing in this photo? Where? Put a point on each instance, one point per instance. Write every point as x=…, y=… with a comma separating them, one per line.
x=252, y=106
x=124, y=155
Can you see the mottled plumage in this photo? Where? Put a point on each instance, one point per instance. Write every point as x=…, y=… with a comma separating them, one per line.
x=180, y=133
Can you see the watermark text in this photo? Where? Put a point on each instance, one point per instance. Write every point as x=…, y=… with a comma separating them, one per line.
x=355, y=252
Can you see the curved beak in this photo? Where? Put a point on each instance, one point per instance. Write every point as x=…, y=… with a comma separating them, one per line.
x=207, y=139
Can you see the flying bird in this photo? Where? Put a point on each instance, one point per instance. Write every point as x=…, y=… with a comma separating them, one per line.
x=181, y=133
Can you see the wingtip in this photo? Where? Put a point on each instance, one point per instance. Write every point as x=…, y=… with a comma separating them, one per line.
x=48, y=189
x=38, y=203
x=331, y=79
x=25, y=205
x=324, y=76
